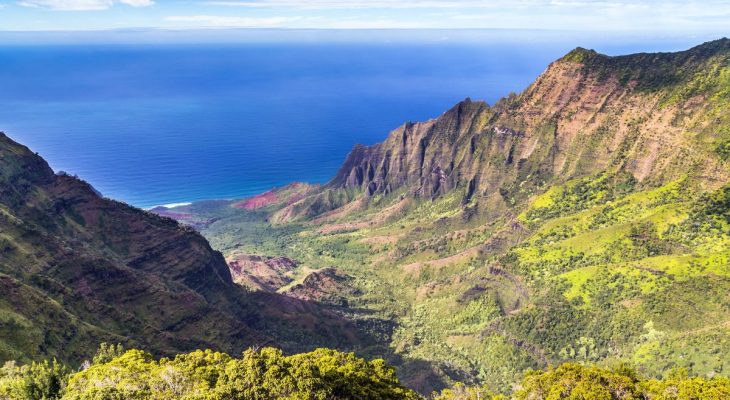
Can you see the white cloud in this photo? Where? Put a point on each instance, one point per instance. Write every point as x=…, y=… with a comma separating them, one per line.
x=219, y=21
x=138, y=3
x=375, y=23
x=424, y=4
x=361, y=4
x=82, y=5
x=588, y=15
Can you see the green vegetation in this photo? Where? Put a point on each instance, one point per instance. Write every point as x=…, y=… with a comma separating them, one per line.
x=41, y=381
x=608, y=271
x=574, y=381
x=259, y=374
x=581, y=382
x=322, y=374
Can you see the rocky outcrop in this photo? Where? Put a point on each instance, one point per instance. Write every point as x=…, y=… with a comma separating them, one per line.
x=422, y=156
x=261, y=273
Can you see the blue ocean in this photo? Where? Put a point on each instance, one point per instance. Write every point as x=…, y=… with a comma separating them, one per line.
x=168, y=123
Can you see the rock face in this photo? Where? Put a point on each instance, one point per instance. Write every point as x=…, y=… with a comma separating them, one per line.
x=77, y=269
x=328, y=285
x=261, y=273
x=644, y=115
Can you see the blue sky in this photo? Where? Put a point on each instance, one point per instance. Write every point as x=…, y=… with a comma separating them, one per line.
x=654, y=16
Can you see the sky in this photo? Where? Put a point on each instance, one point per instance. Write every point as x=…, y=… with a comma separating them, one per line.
x=647, y=16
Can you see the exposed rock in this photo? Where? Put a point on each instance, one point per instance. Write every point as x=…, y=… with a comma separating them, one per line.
x=258, y=201
x=261, y=273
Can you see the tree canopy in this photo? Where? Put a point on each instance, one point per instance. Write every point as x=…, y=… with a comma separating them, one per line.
x=323, y=374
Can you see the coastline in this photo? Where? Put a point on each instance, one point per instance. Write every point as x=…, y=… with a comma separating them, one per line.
x=171, y=205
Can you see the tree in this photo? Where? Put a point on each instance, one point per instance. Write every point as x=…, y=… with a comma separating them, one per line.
x=461, y=392
x=37, y=381
x=577, y=382
x=107, y=352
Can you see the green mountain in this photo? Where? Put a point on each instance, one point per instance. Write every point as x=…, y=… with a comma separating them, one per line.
x=77, y=269
x=585, y=219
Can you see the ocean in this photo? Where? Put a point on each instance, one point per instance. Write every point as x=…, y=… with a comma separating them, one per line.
x=155, y=124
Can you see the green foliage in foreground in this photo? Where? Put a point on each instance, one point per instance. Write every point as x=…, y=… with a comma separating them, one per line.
x=321, y=374
x=44, y=380
x=579, y=382
x=262, y=374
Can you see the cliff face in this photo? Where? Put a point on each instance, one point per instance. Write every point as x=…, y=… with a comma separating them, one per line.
x=77, y=269
x=427, y=156
x=647, y=115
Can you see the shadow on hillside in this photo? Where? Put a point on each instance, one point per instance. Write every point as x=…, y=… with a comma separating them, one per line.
x=298, y=325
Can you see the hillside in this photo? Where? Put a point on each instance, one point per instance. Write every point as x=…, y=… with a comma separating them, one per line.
x=584, y=219
x=77, y=269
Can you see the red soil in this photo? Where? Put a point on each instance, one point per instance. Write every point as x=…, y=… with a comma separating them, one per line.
x=288, y=194
x=258, y=201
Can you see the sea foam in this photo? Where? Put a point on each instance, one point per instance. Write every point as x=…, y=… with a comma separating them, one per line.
x=173, y=205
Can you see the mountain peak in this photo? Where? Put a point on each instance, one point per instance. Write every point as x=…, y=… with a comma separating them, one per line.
x=19, y=164
x=649, y=71
x=580, y=54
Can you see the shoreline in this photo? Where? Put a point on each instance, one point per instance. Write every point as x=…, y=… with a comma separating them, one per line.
x=170, y=205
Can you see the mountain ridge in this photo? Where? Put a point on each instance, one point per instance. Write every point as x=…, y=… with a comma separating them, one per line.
x=582, y=96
